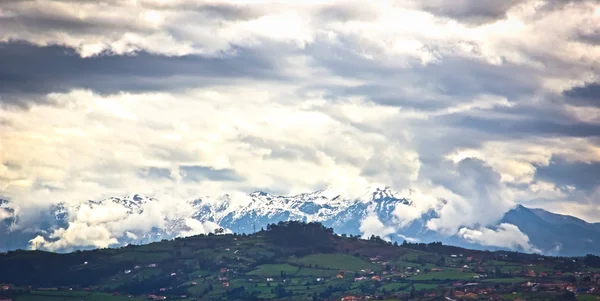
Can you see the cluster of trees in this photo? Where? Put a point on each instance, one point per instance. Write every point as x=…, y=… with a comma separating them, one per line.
x=592, y=261
x=300, y=234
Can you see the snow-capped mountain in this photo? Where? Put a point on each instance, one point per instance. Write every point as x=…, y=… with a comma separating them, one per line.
x=325, y=206
x=139, y=219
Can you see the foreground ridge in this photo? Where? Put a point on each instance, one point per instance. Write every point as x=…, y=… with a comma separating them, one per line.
x=294, y=260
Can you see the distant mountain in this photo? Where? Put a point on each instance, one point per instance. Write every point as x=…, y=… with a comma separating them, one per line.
x=325, y=206
x=552, y=233
x=560, y=234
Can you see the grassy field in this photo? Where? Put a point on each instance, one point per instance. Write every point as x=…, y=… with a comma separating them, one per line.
x=443, y=275
x=310, y=272
x=335, y=261
x=506, y=280
x=425, y=286
x=274, y=270
x=192, y=267
x=73, y=296
x=588, y=298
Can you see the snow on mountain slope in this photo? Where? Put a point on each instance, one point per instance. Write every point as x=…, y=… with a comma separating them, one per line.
x=379, y=210
x=139, y=219
x=325, y=206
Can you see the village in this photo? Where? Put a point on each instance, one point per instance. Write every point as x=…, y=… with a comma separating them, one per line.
x=347, y=268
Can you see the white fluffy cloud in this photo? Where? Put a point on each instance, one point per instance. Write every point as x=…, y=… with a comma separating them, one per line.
x=77, y=234
x=4, y=214
x=505, y=236
x=371, y=225
x=106, y=223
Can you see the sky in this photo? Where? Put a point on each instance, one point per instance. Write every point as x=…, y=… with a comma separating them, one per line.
x=483, y=103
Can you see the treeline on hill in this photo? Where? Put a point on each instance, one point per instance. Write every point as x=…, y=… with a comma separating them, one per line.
x=307, y=237
x=52, y=269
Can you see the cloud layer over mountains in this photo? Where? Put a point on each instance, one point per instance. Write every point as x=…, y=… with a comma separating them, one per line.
x=475, y=106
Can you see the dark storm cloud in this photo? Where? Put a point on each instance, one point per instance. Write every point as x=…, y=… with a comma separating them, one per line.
x=345, y=13
x=586, y=95
x=487, y=11
x=155, y=173
x=470, y=11
x=28, y=72
x=439, y=85
x=66, y=23
x=582, y=175
x=535, y=126
x=197, y=173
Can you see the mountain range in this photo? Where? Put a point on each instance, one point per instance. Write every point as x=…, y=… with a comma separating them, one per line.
x=138, y=219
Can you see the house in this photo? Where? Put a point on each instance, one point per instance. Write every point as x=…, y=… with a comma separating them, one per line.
x=224, y=270
x=5, y=287
x=459, y=294
x=350, y=298
x=162, y=289
x=360, y=278
x=318, y=279
x=225, y=284
x=339, y=276
x=137, y=267
x=436, y=270
x=152, y=265
x=471, y=296
x=376, y=278
x=173, y=274
x=127, y=271
x=469, y=258
x=225, y=279
x=271, y=279
x=453, y=256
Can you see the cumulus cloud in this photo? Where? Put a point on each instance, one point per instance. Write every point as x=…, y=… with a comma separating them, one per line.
x=196, y=227
x=505, y=236
x=480, y=199
x=113, y=221
x=371, y=225
x=4, y=214
x=76, y=235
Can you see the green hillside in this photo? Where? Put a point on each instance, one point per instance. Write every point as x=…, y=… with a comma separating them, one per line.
x=289, y=261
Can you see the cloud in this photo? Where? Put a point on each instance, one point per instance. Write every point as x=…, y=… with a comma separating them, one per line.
x=505, y=236
x=113, y=221
x=561, y=172
x=587, y=95
x=4, y=214
x=31, y=72
x=198, y=173
x=479, y=200
x=77, y=234
x=196, y=227
x=476, y=11
x=371, y=225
